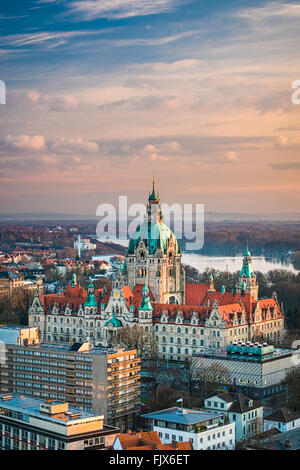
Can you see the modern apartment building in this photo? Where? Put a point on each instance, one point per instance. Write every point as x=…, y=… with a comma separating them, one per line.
x=205, y=429
x=103, y=380
x=30, y=424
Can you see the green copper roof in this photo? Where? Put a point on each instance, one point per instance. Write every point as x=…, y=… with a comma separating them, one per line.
x=145, y=303
x=114, y=322
x=91, y=299
x=247, y=252
x=153, y=196
x=155, y=235
x=124, y=267
x=247, y=268
x=74, y=280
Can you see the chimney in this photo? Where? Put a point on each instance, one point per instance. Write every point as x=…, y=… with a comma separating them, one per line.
x=174, y=444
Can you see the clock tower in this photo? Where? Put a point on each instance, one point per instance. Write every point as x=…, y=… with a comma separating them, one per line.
x=153, y=257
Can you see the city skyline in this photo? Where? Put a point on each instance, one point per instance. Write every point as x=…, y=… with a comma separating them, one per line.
x=101, y=94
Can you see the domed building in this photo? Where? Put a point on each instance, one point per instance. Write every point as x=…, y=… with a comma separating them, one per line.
x=153, y=257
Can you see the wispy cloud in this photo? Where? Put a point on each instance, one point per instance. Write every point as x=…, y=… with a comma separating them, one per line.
x=27, y=39
x=285, y=166
x=272, y=10
x=121, y=8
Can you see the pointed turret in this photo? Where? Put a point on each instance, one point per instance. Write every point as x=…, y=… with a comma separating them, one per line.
x=153, y=196
x=74, y=280
x=247, y=279
x=91, y=299
x=211, y=284
x=145, y=303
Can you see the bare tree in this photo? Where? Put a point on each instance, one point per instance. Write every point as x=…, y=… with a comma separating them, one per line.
x=134, y=337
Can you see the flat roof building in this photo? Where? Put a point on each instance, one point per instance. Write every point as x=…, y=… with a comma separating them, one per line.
x=31, y=424
x=255, y=370
x=204, y=428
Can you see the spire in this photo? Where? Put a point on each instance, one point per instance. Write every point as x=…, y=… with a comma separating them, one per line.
x=153, y=196
x=211, y=284
x=247, y=252
x=145, y=303
x=91, y=299
x=74, y=280
x=247, y=268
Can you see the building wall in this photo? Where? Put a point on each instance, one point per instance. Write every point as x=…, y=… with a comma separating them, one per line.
x=81, y=379
x=252, y=375
x=282, y=427
x=222, y=436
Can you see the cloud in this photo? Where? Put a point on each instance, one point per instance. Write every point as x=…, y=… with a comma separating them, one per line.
x=281, y=141
x=177, y=65
x=33, y=96
x=231, y=156
x=272, y=10
x=54, y=103
x=25, y=142
x=57, y=37
x=77, y=145
x=285, y=166
x=91, y=9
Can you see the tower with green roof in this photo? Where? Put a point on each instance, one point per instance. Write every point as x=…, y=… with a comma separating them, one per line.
x=91, y=304
x=247, y=282
x=145, y=309
x=154, y=256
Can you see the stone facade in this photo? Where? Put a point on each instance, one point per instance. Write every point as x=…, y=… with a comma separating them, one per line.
x=178, y=318
x=154, y=257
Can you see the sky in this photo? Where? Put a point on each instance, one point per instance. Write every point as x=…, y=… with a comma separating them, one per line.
x=102, y=94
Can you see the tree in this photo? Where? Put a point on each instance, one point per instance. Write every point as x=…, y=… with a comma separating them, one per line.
x=292, y=381
x=14, y=309
x=134, y=337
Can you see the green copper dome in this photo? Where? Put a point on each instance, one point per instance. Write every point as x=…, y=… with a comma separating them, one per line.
x=155, y=235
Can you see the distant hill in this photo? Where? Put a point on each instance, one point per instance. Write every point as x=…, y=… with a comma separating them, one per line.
x=209, y=217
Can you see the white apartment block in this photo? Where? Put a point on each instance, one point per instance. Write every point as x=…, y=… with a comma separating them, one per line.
x=204, y=428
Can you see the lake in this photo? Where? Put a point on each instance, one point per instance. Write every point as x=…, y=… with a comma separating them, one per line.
x=230, y=263
x=234, y=263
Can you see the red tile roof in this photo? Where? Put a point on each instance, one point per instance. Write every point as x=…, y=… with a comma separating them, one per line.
x=195, y=293
x=149, y=441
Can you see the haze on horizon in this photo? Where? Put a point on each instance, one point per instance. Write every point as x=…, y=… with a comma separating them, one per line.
x=102, y=93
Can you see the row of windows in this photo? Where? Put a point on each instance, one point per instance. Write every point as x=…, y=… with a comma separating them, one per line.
x=179, y=331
